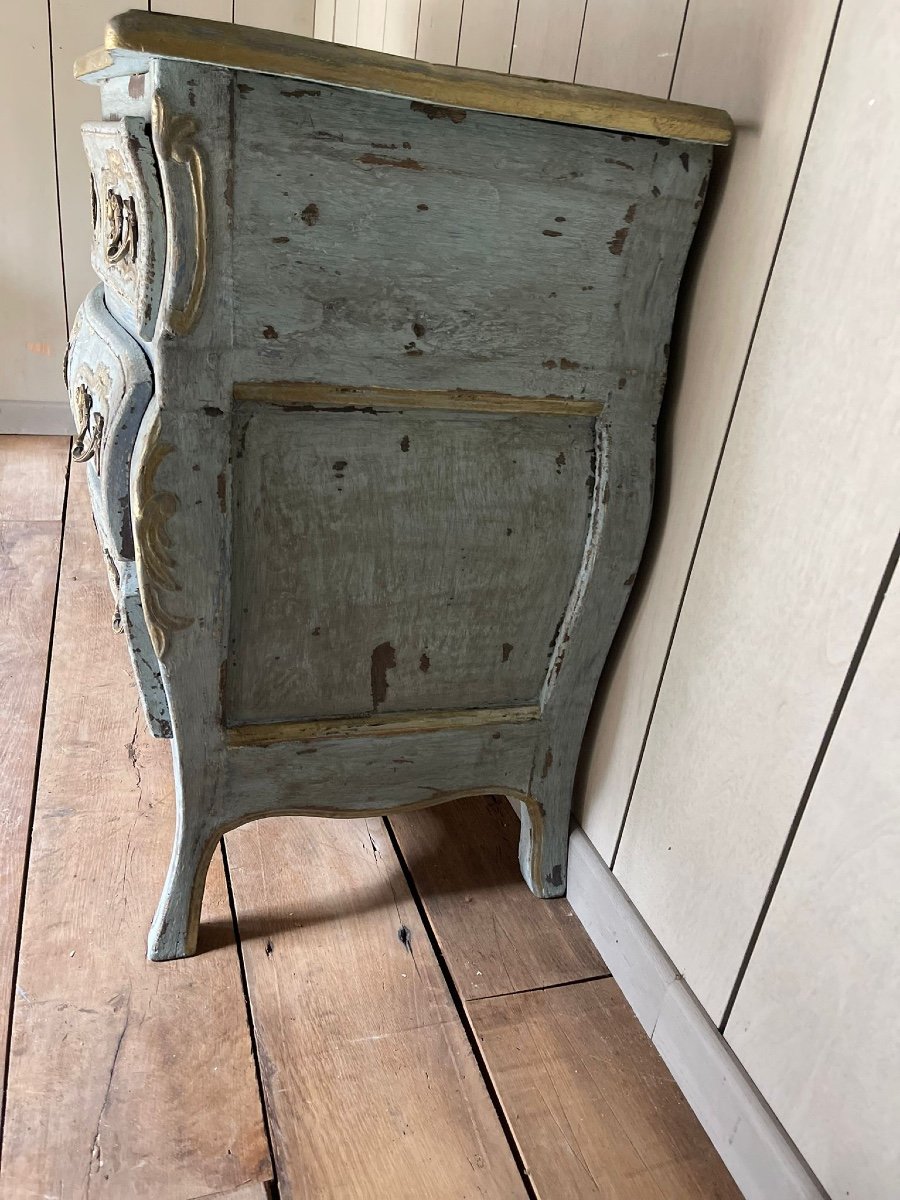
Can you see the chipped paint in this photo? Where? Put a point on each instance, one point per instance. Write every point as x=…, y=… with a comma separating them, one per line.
x=548, y=763
x=378, y=160
x=384, y=659
x=436, y=112
x=617, y=241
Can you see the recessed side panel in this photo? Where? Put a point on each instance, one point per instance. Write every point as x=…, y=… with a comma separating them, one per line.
x=401, y=560
x=389, y=243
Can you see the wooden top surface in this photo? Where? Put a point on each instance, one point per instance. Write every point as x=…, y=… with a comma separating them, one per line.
x=133, y=36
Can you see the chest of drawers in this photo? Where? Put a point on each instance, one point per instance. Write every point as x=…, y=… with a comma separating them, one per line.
x=367, y=397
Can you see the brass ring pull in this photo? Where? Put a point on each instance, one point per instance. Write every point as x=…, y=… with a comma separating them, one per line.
x=176, y=138
x=89, y=438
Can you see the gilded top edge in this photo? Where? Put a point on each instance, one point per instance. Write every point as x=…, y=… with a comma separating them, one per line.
x=268, y=52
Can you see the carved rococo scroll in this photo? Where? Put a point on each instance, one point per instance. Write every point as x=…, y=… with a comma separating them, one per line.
x=177, y=142
x=156, y=566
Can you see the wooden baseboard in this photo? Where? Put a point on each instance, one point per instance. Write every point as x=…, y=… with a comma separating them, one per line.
x=752, y=1143
x=33, y=416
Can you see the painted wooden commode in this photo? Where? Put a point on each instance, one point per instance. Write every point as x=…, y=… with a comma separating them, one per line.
x=367, y=397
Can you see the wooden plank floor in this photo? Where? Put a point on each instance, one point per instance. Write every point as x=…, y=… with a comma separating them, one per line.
x=379, y=1009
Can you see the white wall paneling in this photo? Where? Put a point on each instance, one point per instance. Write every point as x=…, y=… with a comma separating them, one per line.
x=290, y=16
x=370, y=24
x=762, y=62
x=75, y=28
x=208, y=10
x=631, y=47
x=323, y=20
x=401, y=27
x=815, y=1020
x=802, y=521
x=486, y=34
x=547, y=38
x=346, y=20
x=438, y=36
x=33, y=326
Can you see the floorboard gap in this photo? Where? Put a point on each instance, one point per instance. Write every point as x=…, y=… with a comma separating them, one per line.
x=462, y=1014
x=547, y=987
x=34, y=789
x=273, y=1192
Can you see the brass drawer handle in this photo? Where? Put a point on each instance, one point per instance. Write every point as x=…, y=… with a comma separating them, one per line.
x=121, y=228
x=89, y=438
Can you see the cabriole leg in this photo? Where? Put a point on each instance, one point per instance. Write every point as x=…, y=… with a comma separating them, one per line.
x=173, y=933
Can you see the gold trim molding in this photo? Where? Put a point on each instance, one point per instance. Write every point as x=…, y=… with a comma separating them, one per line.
x=133, y=36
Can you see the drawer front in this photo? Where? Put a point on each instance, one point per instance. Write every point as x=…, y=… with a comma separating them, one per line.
x=110, y=385
x=128, y=251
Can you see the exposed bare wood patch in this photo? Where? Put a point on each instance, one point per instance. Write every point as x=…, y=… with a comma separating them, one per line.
x=290, y=394
x=384, y=725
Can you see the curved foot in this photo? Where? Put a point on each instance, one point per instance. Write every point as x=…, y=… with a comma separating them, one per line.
x=544, y=846
x=176, y=924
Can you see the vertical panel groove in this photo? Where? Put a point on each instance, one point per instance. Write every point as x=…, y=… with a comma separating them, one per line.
x=512, y=45
x=462, y=17
x=730, y=422
x=62, y=258
x=580, y=40
x=858, y=653
x=684, y=18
